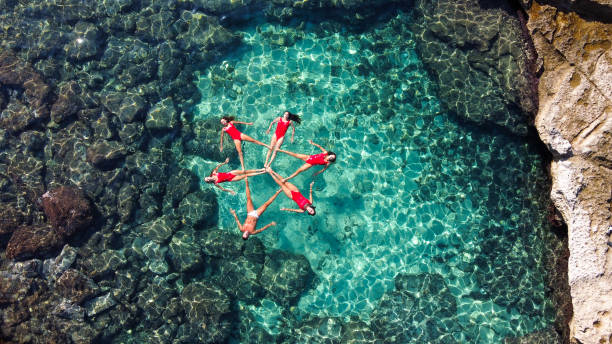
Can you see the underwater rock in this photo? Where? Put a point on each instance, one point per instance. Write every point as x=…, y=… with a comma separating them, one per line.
x=357, y=332
x=156, y=25
x=85, y=43
x=33, y=141
x=180, y=184
x=285, y=277
x=10, y=219
x=15, y=72
x=240, y=278
x=17, y=117
x=318, y=330
x=99, y=304
x=204, y=34
x=156, y=254
x=184, y=251
x=132, y=134
x=198, y=209
x=68, y=310
x=545, y=336
x=162, y=116
x=155, y=299
x=221, y=244
x=33, y=241
x=477, y=55
x=29, y=268
x=54, y=267
x=128, y=107
x=422, y=298
x=76, y=287
x=105, y=154
x=67, y=209
x=68, y=102
x=160, y=229
x=127, y=199
x=202, y=139
x=204, y=304
x=202, y=300
x=106, y=262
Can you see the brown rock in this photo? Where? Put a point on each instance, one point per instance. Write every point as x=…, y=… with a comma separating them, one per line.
x=104, y=154
x=75, y=286
x=10, y=219
x=15, y=72
x=575, y=122
x=32, y=241
x=68, y=102
x=67, y=210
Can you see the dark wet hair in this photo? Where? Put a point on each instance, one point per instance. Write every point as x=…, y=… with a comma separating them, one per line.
x=228, y=118
x=332, y=153
x=293, y=117
x=314, y=212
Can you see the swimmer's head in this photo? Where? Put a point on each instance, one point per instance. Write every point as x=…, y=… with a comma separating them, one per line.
x=310, y=209
x=226, y=119
x=289, y=116
x=209, y=179
x=331, y=156
x=245, y=235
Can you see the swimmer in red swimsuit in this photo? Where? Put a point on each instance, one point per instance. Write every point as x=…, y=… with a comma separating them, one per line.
x=304, y=204
x=250, y=223
x=228, y=127
x=232, y=176
x=326, y=158
x=279, y=135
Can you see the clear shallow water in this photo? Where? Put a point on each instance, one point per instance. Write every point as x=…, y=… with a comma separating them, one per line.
x=413, y=190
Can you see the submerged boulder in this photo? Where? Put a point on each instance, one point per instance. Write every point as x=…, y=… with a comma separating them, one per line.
x=33, y=241
x=285, y=277
x=67, y=209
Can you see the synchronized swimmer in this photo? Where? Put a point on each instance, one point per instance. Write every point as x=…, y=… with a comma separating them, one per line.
x=279, y=135
x=228, y=127
x=326, y=158
x=232, y=176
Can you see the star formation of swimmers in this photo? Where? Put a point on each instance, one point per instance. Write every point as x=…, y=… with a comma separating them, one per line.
x=304, y=204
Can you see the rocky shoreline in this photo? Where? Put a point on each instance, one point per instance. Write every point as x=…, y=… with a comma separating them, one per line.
x=575, y=122
x=97, y=215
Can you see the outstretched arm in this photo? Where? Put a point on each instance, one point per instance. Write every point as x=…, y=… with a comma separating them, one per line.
x=221, y=145
x=314, y=144
x=247, y=123
x=270, y=127
x=324, y=168
x=265, y=227
x=221, y=164
x=226, y=190
x=293, y=132
x=293, y=210
x=236, y=218
x=310, y=199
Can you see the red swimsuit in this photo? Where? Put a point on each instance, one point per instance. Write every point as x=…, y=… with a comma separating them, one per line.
x=232, y=131
x=298, y=198
x=281, y=128
x=317, y=159
x=225, y=177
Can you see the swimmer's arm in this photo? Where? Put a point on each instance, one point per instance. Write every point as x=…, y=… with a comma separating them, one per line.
x=270, y=127
x=265, y=227
x=311, y=184
x=293, y=132
x=236, y=218
x=224, y=189
x=247, y=123
x=293, y=210
x=221, y=164
x=324, y=168
x=221, y=145
x=314, y=144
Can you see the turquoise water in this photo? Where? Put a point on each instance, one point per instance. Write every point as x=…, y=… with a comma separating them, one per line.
x=413, y=191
